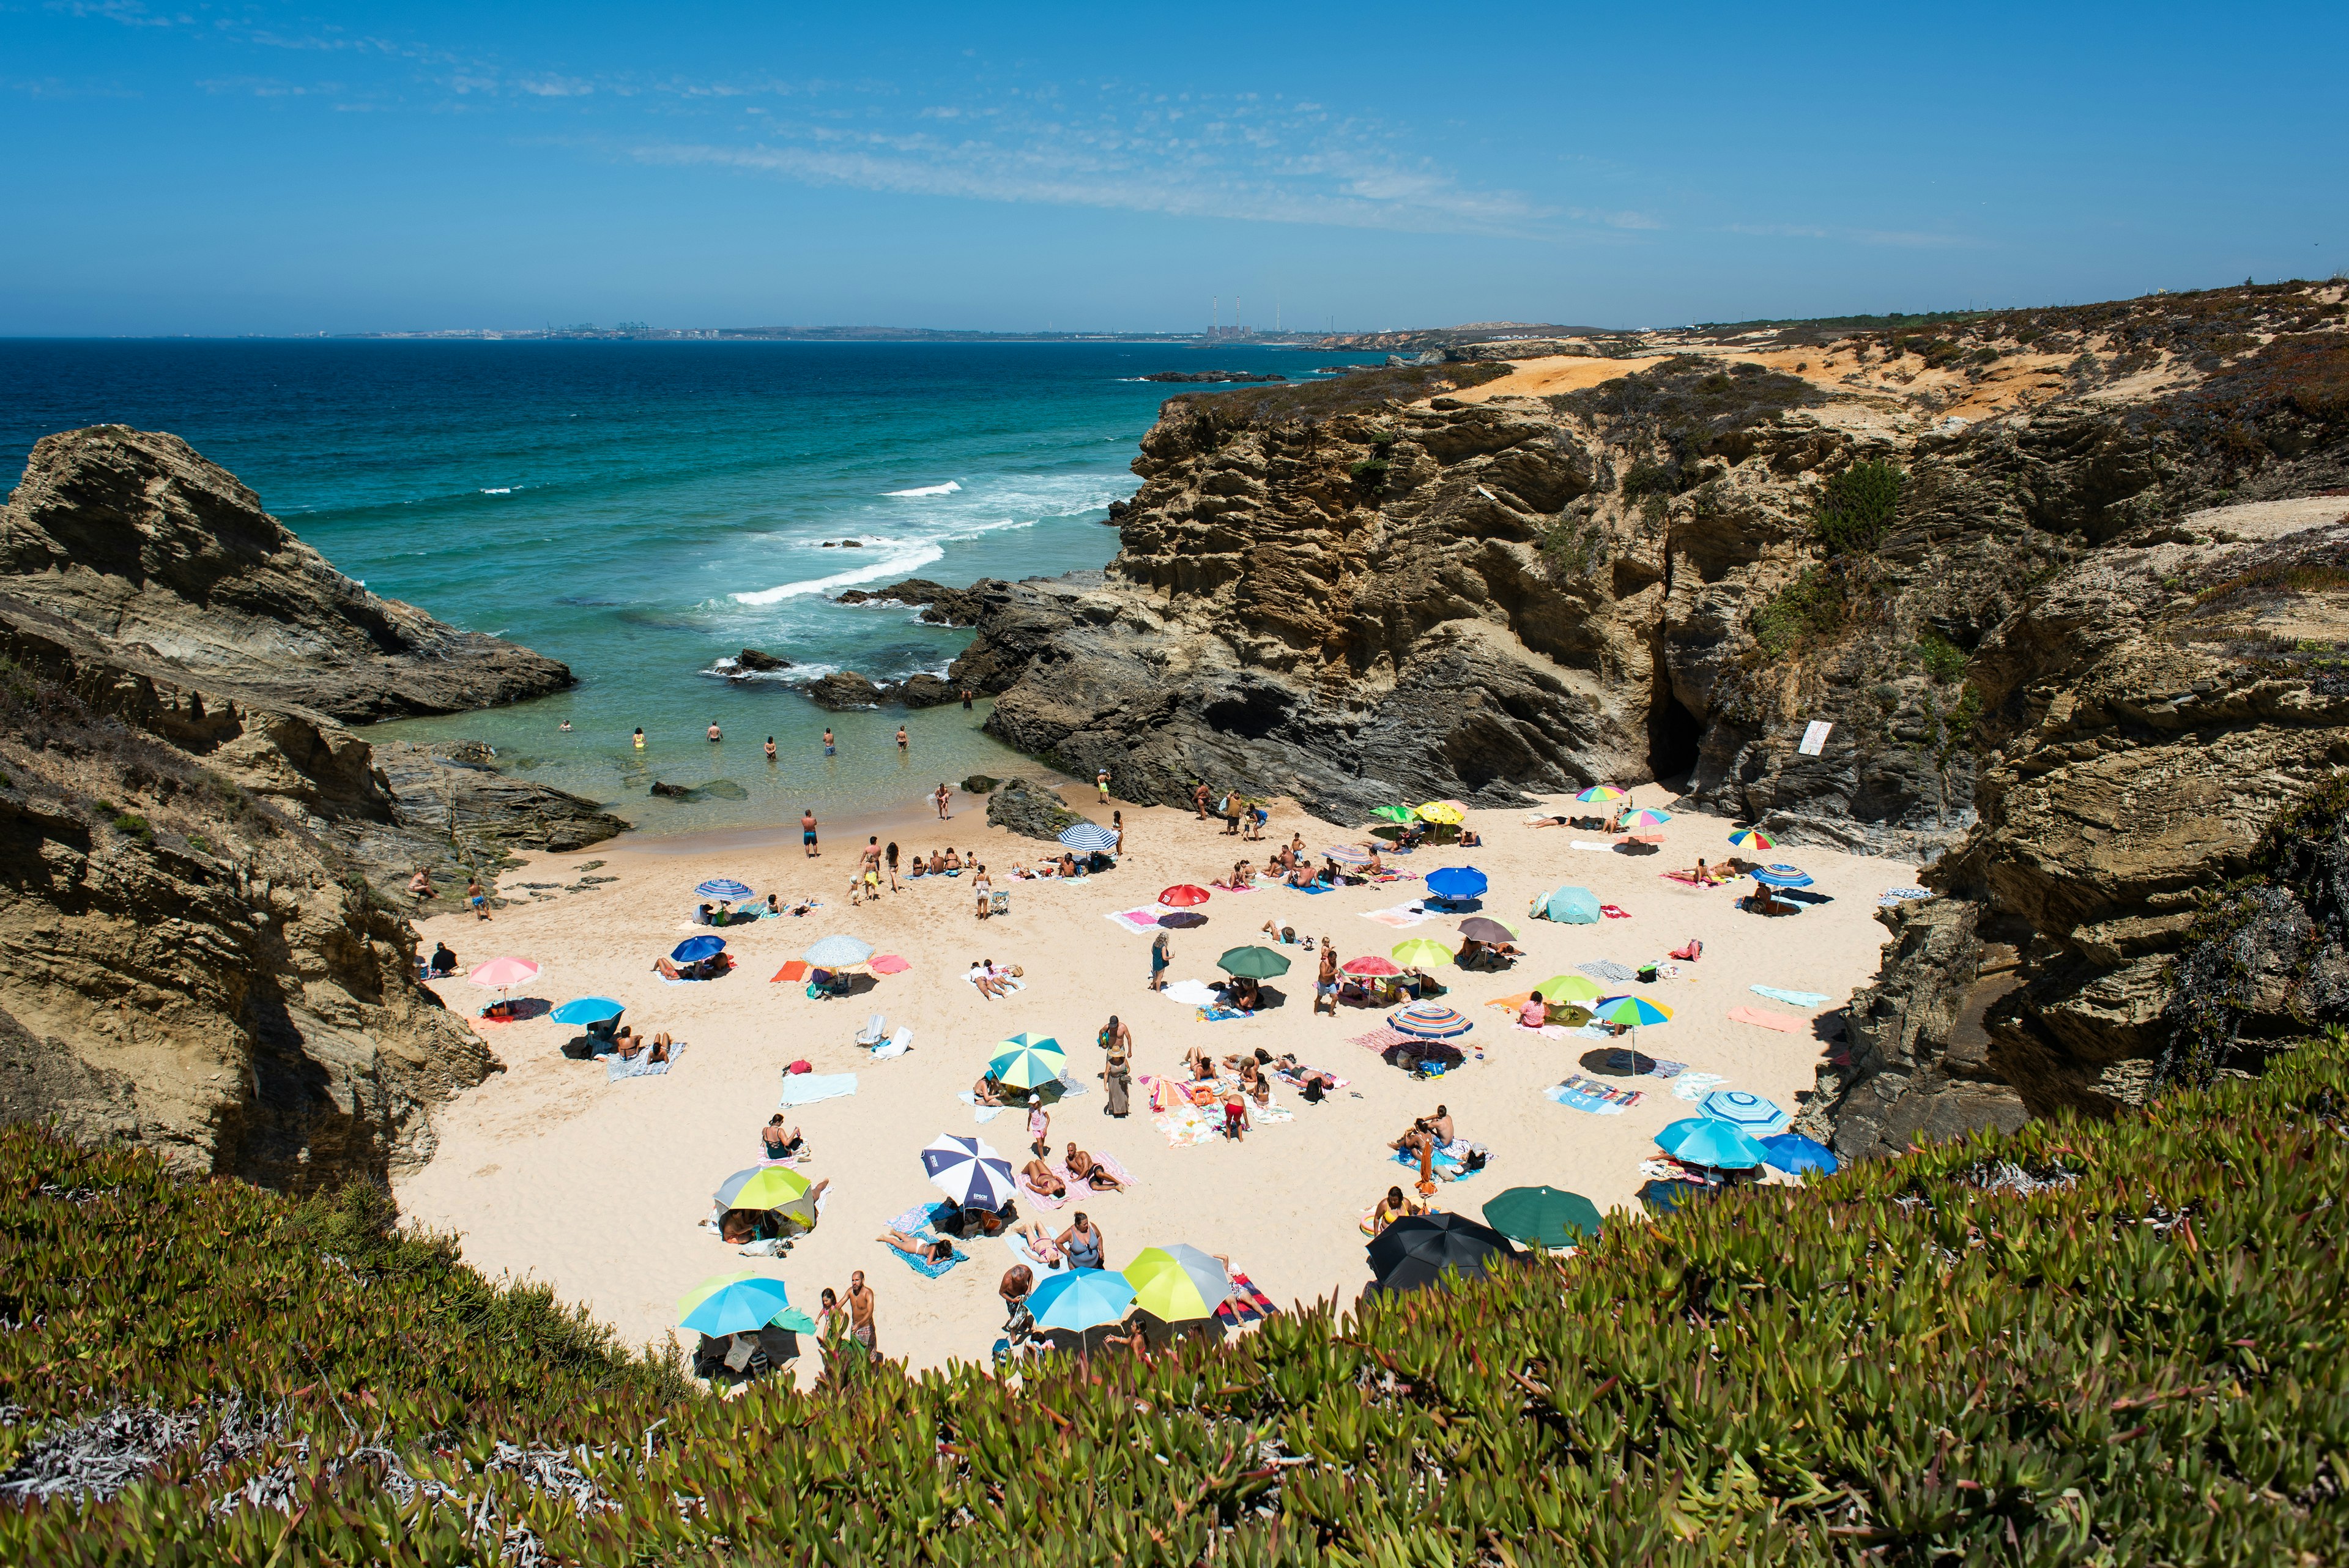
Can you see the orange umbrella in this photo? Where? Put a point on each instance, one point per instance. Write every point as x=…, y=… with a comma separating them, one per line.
x=1182, y=896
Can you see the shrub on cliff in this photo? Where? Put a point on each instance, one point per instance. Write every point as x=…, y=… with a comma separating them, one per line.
x=2117, y=1341
x=1858, y=507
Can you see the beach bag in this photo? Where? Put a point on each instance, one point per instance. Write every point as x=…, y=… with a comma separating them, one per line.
x=801, y=1067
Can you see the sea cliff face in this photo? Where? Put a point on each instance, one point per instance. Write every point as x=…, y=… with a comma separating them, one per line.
x=2066, y=584
x=202, y=870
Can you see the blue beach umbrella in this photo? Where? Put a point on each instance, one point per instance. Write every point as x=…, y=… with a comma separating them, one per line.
x=1738, y=1108
x=1713, y=1143
x=735, y=1304
x=1090, y=838
x=1782, y=877
x=725, y=889
x=588, y=1010
x=1794, y=1153
x=838, y=952
x=969, y=1172
x=1082, y=1299
x=1457, y=882
x=693, y=950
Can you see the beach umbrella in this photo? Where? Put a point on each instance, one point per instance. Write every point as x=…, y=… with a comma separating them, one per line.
x=1415, y=1251
x=1544, y=1216
x=1646, y=816
x=1457, y=882
x=969, y=1172
x=1782, y=877
x=1664, y=1197
x=1024, y=1062
x=1476, y=928
x=890, y=963
x=725, y=889
x=588, y=1010
x=1370, y=966
x=693, y=950
x=736, y=1304
x=1182, y=920
x=1569, y=988
x=1418, y=952
x=1392, y=813
x=1346, y=855
x=761, y=1186
x=1618, y=1062
x=1178, y=1283
x=502, y=974
x=1253, y=963
x=1089, y=837
x=1443, y=811
x=1738, y=1108
x=1713, y=1143
x=838, y=952
x=1430, y=1021
x=1632, y=1010
x=1182, y=896
x=1601, y=793
x=1794, y=1152
x=1080, y=1299
x=1752, y=838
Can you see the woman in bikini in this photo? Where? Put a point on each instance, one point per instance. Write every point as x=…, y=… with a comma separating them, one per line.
x=1040, y=1245
x=1091, y=1172
x=917, y=1248
x=953, y=861
x=1393, y=1207
x=1041, y=1177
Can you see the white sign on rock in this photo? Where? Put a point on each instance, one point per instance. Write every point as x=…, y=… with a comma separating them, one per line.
x=1815, y=737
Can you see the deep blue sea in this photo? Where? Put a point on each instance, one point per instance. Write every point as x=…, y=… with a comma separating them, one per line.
x=642, y=510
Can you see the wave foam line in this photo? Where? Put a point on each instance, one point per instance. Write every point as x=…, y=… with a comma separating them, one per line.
x=949, y=488
x=888, y=567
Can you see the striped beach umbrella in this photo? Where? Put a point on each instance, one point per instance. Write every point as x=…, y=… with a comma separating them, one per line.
x=725, y=889
x=838, y=952
x=1646, y=816
x=1783, y=876
x=1430, y=1021
x=1420, y=952
x=1025, y=1061
x=1347, y=855
x=1756, y=1114
x=1089, y=838
x=1600, y=794
x=1752, y=838
x=1632, y=1010
x=969, y=1172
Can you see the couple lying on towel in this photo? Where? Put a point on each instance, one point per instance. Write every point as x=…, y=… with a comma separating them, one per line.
x=710, y=968
x=630, y=1045
x=1081, y=1167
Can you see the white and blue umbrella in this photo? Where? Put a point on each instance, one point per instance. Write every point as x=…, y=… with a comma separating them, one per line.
x=1782, y=877
x=1752, y=1112
x=969, y=1172
x=1088, y=836
x=838, y=952
x=725, y=889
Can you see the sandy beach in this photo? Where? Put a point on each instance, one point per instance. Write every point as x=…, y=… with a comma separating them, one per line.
x=599, y=1189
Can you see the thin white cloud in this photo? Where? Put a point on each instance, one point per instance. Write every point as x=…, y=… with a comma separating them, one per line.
x=554, y=87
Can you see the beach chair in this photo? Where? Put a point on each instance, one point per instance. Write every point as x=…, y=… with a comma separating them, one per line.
x=897, y=1044
x=999, y=902
x=875, y=1028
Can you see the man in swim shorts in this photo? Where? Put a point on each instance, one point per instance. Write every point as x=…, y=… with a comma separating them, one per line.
x=828, y=749
x=807, y=832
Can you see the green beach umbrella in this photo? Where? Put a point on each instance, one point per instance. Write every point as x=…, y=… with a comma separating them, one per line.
x=1178, y=1283
x=1253, y=963
x=1420, y=952
x=761, y=1186
x=1544, y=1216
x=1569, y=988
x=1023, y=1062
x=1632, y=1010
x=1393, y=813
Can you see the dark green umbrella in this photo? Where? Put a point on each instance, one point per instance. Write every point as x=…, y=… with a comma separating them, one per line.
x=1253, y=963
x=1544, y=1216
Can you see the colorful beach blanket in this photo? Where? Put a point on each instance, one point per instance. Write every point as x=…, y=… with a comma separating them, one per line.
x=1791, y=998
x=1315, y=887
x=793, y=973
x=1382, y=1040
x=1451, y=1161
x=1221, y=1014
x=1695, y=1086
x=1139, y=922
x=616, y=1067
x=1245, y=1304
x=1580, y=1094
x=1615, y=911
x=917, y=1222
x=1076, y=1189
x=1767, y=1019
x=1663, y=1069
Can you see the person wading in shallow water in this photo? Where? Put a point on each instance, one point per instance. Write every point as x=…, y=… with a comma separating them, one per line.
x=829, y=749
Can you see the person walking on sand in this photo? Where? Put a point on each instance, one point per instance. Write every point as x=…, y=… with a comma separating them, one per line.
x=942, y=796
x=829, y=750
x=901, y=740
x=861, y=1303
x=477, y=899
x=1161, y=958
x=1325, y=987
x=1100, y=783
x=1199, y=799
x=1117, y=1070
x=891, y=856
x=984, y=888
x=807, y=832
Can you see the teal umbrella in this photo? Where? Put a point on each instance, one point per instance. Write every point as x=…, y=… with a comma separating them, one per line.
x=1713, y=1143
x=1544, y=1216
x=1024, y=1062
x=1082, y=1299
x=1253, y=963
x=738, y=1303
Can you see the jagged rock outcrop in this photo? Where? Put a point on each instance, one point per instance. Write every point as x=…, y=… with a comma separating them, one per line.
x=758, y=662
x=1028, y=810
x=133, y=534
x=940, y=605
x=202, y=871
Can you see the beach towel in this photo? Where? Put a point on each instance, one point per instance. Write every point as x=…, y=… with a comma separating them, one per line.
x=1593, y=1031
x=1139, y=922
x=1246, y=1303
x=1792, y=998
x=1084, y=1189
x=1685, y=878
x=1608, y=968
x=1512, y=1003
x=1008, y=982
x=916, y=1223
x=1222, y=1015
x=1233, y=886
x=1041, y=1199
x=1597, y=848
x=1451, y=1161
x=1689, y=952
x=1674, y=1170
x=1191, y=993
x=1382, y=1040
x=1315, y=887
x=1891, y=896
x=1580, y=1094
x=616, y=1067
x=1402, y=917
x=1666, y=1069
x=1293, y=1076
x=792, y=972
x=1767, y=1019
x=807, y=1088
x=1019, y=1245
x=1614, y=911
x=978, y=1113
x=1695, y=1086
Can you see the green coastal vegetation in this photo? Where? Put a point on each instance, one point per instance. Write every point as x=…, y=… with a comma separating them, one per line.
x=2124, y=1341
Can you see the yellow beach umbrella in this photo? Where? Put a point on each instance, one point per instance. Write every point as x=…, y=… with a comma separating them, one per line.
x=1420, y=952
x=1443, y=811
x=1578, y=988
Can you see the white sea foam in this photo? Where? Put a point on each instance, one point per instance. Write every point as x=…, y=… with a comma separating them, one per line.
x=502, y=490
x=896, y=564
x=949, y=488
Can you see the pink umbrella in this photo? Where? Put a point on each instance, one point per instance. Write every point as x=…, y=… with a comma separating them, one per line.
x=890, y=963
x=502, y=974
x=1372, y=965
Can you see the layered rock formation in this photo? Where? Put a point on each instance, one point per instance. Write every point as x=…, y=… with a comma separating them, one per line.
x=202, y=941
x=2062, y=584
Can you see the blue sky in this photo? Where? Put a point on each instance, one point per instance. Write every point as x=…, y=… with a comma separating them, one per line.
x=251, y=167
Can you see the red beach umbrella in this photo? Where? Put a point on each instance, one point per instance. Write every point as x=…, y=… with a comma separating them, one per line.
x=1371, y=966
x=1182, y=896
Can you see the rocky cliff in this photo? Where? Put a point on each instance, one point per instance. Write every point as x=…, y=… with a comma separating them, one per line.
x=203, y=942
x=2065, y=583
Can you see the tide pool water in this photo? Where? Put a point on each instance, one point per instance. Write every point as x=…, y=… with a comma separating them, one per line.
x=641, y=510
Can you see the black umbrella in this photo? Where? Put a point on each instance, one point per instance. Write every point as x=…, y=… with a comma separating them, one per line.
x=1413, y=1253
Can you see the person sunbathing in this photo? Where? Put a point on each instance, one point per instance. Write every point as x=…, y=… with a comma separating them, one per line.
x=1041, y=1177
x=915, y=1248
x=1091, y=1172
x=953, y=861
x=986, y=1091
x=630, y=1043
x=981, y=976
x=1470, y=839
x=1039, y=1242
x=666, y=969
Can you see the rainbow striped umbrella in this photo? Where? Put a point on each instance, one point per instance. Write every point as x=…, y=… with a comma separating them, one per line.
x=1752, y=838
x=1632, y=1010
x=1430, y=1021
x=1646, y=816
x=1600, y=794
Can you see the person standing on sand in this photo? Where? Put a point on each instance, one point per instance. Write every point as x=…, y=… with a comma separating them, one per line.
x=861, y=1303
x=807, y=832
x=1100, y=783
x=1117, y=827
x=891, y=855
x=1199, y=799
x=1325, y=987
x=942, y=795
x=1117, y=1072
x=477, y=899
x=901, y=740
x=829, y=750
x=1040, y=1126
x=1161, y=958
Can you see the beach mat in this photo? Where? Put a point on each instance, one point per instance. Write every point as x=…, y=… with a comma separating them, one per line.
x=1246, y=1303
x=1608, y=969
x=1142, y=922
x=807, y=1088
x=1382, y=1040
x=1695, y=1086
x=917, y=1223
x=790, y=974
x=1791, y=998
x=1580, y=1094
x=616, y=1067
x=1767, y=1019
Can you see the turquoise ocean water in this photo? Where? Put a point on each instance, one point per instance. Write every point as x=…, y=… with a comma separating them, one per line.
x=641, y=510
